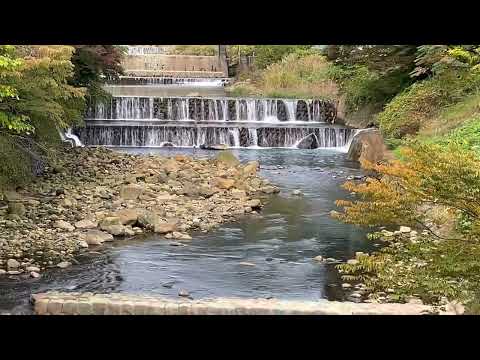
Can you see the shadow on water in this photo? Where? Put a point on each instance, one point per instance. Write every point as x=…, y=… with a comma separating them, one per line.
x=278, y=245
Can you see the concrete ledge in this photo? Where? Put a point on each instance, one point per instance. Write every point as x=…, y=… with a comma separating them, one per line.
x=55, y=303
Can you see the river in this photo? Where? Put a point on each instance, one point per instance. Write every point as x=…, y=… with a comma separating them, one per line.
x=278, y=244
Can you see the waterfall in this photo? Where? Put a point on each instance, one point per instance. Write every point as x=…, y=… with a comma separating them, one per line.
x=187, y=136
x=193, y=121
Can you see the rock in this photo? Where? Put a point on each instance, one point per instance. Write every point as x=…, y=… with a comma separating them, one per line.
x=297, y=192
x=455, y=308
x=319, y=258
x=12, y=264
x=83, y=244
x=2, y=272
x=148, y=219
x=168, y=284
x=346, y=285
x=96, y=237
x=183, y=293
x=405, y=229
x=131, y=191
x=254, y=203
x=387, y=233
x=34, y=274
x=269, y=189
x=33, y=268
x=251, y=168
x=224, y=183
x=213, y=147
x=61, y=224
x=85, y=224
x=243, y=263
x=331, y=260
x=268, y=259
x=359, y=253
x=127, y=216
x=415, y=301
x=13, y=272
x=116, y=230
x=16, y=208
x=352, y=262
x=227, y=158
x=164, y=227
x=66, y=202
x=109, y=221
x=308, y=142
x=64, y=264
x=367, y=145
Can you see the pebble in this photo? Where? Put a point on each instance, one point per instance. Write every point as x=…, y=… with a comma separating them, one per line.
x=246, y=263
x=34, y=274
x=33, y=268
x=64, y=264
x=346, y=285
x=183, y=293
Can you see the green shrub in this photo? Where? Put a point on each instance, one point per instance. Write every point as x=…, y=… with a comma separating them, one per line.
x=15, y=164
x=409, y=110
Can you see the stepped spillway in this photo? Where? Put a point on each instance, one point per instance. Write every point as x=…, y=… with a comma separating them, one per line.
x=195, y=121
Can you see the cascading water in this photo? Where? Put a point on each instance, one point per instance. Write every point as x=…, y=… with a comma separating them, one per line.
x=187, y=121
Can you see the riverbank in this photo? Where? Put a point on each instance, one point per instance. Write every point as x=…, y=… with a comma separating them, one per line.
x=95, y=195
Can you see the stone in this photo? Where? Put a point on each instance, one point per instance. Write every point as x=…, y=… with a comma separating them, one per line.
x=254, y=203
x=319, y=258
x=33, y=268
x=61, y=224
x=359, y=253
x=244, y=263
x=64, y=264
x=85, y=224
x=405, y=229
x=224, y=183
x=183, y=293
x=387, y=233
x=251, y=168
x=269, y=189
x=34, y=274
x=455, y=307
x=367, y=145
x=297, y=192
x=131, y=191
x=2, y=272
x=96, y=237
x=115, y=230
x=164, y=227
x=12, y=264
x=308, y=142
x=148, y=219
x=226, y=157
x=109, y=221
x=14, y=272
x=127, y=216
x=83, y=244
x=346, y=285
x=352, y=262
x=16, y=208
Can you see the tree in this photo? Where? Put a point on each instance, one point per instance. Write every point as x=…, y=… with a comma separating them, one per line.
x=96, y=64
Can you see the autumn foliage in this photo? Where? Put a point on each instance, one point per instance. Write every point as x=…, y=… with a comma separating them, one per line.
x=428, y=175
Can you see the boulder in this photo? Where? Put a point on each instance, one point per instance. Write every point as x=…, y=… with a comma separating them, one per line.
x=163, y=227
x=61, y=224
x=131, y=191
x=254, y=203
x=85, y=224
x=16, y=208
x=127, y=216
x=12, y=264
x=227, y=158
x=367, y=145
x=96, y=237
x=109, y=221
x=308, y=142
x=116, y=230
x=251, y=168
x=224, y=183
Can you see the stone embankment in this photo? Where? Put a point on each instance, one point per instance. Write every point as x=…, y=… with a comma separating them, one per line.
x=124, y=304
x=97, y=195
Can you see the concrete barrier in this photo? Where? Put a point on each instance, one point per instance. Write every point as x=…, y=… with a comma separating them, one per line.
x=54, y=303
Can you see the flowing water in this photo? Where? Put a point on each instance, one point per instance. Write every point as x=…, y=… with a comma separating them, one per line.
x=281, y=241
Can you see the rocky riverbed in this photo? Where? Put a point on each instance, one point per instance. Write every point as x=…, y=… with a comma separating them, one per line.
x=96, y=195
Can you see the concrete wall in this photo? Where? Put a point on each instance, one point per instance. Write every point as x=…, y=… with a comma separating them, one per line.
x=171, y=65
x=124, y=304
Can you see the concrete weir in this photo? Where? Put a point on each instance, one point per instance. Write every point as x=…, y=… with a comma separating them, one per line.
x=54, y=303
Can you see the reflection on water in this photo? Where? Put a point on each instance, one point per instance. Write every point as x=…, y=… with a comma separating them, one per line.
x=280, y=242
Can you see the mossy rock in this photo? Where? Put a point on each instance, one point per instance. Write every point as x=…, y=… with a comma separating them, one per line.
x=227, y=158
x=16, y=208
